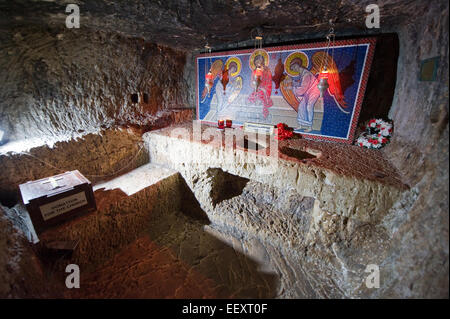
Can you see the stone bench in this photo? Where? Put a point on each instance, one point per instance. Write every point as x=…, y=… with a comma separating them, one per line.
x=345, y=179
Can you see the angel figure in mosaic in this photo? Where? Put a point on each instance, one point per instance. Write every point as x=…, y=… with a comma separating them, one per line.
x=230, y=86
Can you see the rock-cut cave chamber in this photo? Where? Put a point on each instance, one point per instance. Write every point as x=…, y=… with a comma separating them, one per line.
x=115, y=98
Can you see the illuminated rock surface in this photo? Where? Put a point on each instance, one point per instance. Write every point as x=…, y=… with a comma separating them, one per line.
x=219, y=230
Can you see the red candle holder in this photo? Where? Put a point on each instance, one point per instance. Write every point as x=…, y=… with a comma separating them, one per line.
x=221, y=124
x=229, y=123
x=258, y=72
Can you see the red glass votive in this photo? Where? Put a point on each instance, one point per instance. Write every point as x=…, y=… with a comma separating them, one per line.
x=221, y=124
x=258, y=72
x=229, y=122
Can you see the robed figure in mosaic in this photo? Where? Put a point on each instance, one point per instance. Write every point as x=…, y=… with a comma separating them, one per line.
x=300, y=88
x=259, y=64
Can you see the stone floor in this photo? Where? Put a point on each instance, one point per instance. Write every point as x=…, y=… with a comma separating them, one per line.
x=174, y=254
x=178, y=258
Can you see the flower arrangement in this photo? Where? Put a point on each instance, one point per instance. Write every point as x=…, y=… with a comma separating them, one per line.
x=377, y=134
x=283, y=132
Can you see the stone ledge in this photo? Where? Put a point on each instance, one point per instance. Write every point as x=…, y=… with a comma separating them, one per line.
x=364, y=187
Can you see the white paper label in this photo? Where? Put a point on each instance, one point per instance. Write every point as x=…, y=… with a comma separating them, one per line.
x=63, y=205
x=258, y=128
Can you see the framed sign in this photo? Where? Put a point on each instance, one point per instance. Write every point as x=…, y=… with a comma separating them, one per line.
x=428, y=69
x=280, y=85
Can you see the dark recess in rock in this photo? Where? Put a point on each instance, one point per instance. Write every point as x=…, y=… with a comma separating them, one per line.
x=225, y=185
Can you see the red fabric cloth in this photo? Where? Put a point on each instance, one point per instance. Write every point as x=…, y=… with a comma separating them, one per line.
x=283, y=132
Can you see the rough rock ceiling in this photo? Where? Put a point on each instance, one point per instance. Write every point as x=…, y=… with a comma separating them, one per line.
x=188, y=24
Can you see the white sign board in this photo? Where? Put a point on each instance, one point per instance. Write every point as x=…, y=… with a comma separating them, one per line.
x=63, y=205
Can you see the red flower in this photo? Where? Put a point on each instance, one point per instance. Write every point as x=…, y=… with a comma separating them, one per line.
x=283, y=132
